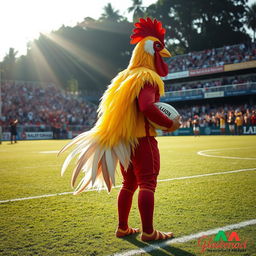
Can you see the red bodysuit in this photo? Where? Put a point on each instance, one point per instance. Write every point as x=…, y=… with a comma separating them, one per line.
x=145, y=165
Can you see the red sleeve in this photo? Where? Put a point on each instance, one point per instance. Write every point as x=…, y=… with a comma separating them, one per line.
x=146, y=102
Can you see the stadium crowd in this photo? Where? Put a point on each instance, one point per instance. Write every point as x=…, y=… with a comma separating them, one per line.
x=213, y=57
x=211, y=83
x=49, y=106
x=214, y=115
x=44, y=106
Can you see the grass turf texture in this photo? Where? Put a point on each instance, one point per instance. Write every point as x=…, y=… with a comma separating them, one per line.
x=85, y=224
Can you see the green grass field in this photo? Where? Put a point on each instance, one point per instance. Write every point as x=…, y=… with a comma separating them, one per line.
x=85, y=224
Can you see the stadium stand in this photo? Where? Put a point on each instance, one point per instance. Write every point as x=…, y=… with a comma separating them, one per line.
x=44, y=107
x=213, y=85
x=213, y=57
x=210, y=86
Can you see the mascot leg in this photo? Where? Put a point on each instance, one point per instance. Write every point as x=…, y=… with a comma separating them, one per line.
x=125, y=202
x=146, y=164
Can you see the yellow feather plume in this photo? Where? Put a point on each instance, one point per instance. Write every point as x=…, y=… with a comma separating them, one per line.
x=118, y=111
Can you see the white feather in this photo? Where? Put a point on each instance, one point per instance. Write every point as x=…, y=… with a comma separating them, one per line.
x=148, y=47
x=81, y=163
x=110, y=165
x=120, y=154
x=75, y=140
x=83, y=184
x=95, y=164
x=127, y=154
x=72, y=155
x=105, y=173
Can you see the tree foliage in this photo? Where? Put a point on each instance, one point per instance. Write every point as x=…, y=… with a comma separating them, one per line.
x=251, y=18
x=199, y=24
x=137, y=9
x=9, y=63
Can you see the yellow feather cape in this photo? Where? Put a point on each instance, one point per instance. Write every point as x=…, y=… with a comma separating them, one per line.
x=118, y=110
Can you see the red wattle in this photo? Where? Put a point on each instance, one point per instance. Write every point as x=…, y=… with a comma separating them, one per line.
x=161, y=66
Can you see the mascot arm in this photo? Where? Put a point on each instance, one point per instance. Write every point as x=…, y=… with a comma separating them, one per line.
x=146, y=100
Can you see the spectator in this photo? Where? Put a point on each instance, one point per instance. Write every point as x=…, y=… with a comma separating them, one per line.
x=253, y=118
x=196, y=127
x=231, y=122
x=239, y=122
x=13, y=130
x=222, y=121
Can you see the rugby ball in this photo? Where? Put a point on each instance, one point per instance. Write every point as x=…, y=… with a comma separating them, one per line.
x=167, y=110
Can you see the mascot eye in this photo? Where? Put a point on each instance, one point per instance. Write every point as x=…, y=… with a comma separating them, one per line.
x=158, y=46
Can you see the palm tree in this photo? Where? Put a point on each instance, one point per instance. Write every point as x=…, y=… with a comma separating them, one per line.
x=137, y=9
x=251, y=18
x=110, y=14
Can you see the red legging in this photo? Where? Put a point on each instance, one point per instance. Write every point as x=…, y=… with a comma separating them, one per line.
x=142, y=172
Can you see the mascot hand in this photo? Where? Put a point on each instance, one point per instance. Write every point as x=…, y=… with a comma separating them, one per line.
x=176, y=125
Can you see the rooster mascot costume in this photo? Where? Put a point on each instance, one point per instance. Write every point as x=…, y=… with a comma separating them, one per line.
x=125, y=132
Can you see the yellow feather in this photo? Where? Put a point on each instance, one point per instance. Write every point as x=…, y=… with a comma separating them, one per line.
x=118, y=111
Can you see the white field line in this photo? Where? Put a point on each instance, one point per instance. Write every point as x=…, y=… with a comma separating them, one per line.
x=203, y=153
x=208, y=174
x=184, y=239
x=164, y=180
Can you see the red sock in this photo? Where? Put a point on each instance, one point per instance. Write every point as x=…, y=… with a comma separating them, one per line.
x=124, y=207
x=146, y=208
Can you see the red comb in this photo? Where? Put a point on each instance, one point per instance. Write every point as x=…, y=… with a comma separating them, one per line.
x=147, y=27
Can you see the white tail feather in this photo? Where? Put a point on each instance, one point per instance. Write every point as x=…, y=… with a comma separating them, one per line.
x=111, y=165
x=83, y=184
x=86, y=180
x=119, y=153
x=71, y=156
x=82, y=162
x=95, y=164
x=123, y=153
x=98, y=165
x=81, y=136
x=105, y=173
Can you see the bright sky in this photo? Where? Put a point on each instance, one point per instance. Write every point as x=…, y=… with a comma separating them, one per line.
x=22, y=20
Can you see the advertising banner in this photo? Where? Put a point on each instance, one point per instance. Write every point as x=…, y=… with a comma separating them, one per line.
x=6, y=136
x=179, y=98
x=249, y=130
x=38, y=135
x=177, y=75
x=206, y=71
x=208, y=95
x=237, y=66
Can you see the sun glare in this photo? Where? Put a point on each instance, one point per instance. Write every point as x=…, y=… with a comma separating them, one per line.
x=23, y=21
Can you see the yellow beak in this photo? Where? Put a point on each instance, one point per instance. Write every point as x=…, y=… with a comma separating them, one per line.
x=165, y=53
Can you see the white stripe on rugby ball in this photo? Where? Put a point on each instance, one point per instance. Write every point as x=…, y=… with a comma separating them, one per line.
x=167, y=109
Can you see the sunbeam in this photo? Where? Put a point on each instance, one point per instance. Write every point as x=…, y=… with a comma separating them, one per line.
x=98, y=64
x=41, y=65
